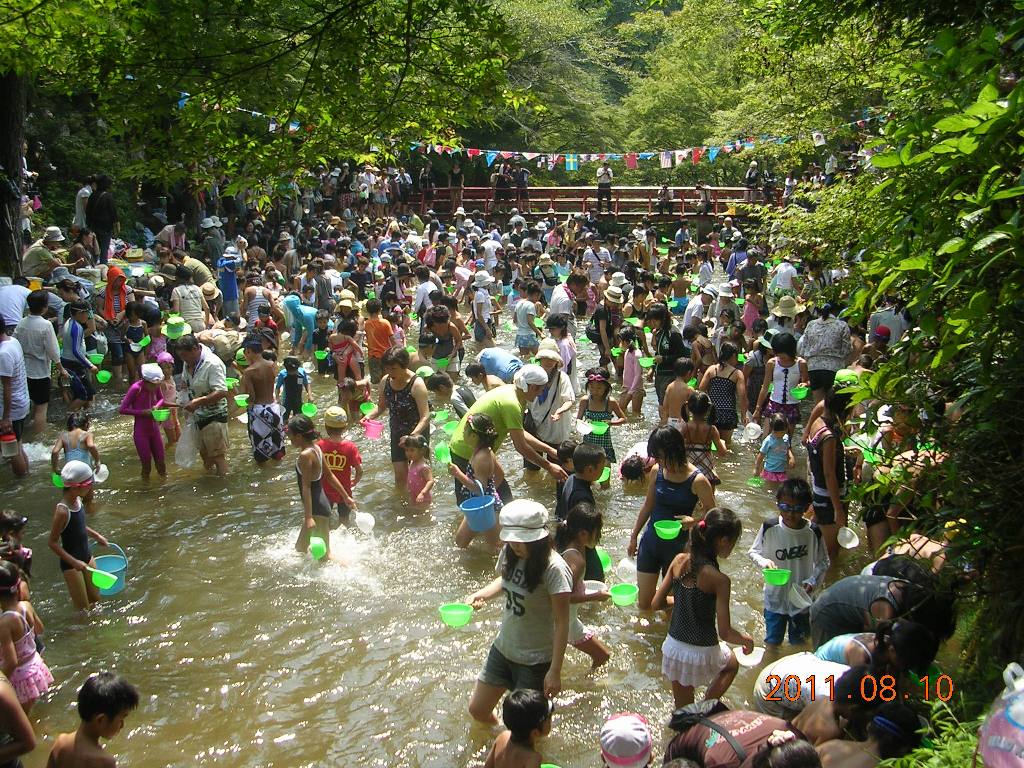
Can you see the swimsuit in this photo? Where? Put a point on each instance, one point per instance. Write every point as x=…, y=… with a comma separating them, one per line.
x=699, y=454
x=31, y=678
x=605, y=440
x=722, y=391
x=266, y=431
x=671, y=499
x=405, y=415
x=321, y=507
x=74, y=538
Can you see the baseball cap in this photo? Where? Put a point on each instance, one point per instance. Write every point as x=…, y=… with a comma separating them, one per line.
x=625, y=740
x=882, y=332
x=523, y=520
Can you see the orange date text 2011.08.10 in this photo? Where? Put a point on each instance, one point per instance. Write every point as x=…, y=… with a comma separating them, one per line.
x=882, y=688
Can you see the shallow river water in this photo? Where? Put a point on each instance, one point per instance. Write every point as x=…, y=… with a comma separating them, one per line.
x=248, y=654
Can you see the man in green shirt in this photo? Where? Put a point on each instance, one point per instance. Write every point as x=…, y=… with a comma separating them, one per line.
x=41, y=258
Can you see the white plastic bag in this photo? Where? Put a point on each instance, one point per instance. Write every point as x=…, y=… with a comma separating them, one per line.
x=186, y=452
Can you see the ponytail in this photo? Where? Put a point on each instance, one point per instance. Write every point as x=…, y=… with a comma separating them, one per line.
x=584, y=517
x=718, y=523
x=700, y=405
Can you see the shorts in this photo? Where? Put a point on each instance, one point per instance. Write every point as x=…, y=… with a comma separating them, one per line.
x=81, y=381
x=824, y=513
x=344, y=511
x=479, y=333
x=661, y=382
x=527, y=341
x=213, y=440
x=775, y=627
x=18, y=427
x=39, y=391
x=503, y=673
x=655, y=554
x=115, y=349
x=376, y=369
x=773, y=477
x=791, y=411
x=821, y=379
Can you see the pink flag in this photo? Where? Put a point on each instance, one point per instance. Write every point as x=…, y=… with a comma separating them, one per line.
x=697, y=152
x=631, y=160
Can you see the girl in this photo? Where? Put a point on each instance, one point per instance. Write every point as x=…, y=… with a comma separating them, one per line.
x=726, y=388
x=753, y=370
x=827, y=462
x=483, y=469
x=784, y=372
x=754, y=306
x=694, y=653
x=13, y=549
x=19, y=625
x=78, y=445
x=69, y=535
x=144, y=397
x=134, y=332
x=892, y=648
x=672, y=494
x=581, y=530
x=310, y=475
x=701, y=435
x=632, y=375
x=775, y=455
x=169, y=393
x=702, y=350
x=419, y=480
x=536, y=584
x=598, y=405
x=558, y=327
x=115, y=304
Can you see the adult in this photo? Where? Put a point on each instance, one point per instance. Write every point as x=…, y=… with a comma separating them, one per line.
x=116, y=297
x=893, y=731
x=696, y=309
x=667, y=346
x=101, y=214
x=255, y=297
x=201, y=274
x=739, y=739
x=39, y=343
x=72, y=355
x=174, y=236
x=483, y=326
x=859, y=603
x=456, y=181
x=826, y=460
x=227, y=279
x=604, y=323
x=82, y=201
x=499, y=363
x=546, y=416
x=783, y=315
x=785, y=695
x=404, y=395
x=84, y=250
x=41, y=258
x=825, y=345
x=14, y=301
x=14, y=403
x=204, y=379
x=536, y=582
x=187, y=301
x=785, y=280
x=893, y=315
x=604, y=186
x=753, y=270
x=563, y=299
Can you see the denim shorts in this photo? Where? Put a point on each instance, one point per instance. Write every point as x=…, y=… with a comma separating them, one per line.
x=527, y=341
x=775, y=627
x=503, y=673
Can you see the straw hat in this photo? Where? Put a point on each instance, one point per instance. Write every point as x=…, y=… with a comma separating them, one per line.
x=614, y=294
x=211, y=291
x=787, y=306
x=549, y=351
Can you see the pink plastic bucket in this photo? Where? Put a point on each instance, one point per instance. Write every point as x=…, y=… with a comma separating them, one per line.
x=374, y=429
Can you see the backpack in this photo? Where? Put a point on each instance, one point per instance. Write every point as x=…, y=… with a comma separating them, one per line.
x=699, y=713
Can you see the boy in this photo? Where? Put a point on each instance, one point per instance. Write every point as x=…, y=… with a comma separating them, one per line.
x=480, y=377
x=289, y=386
x=380, y=337
x=321, y=342
x=527, y=715
x=525, y=313
x=103, y=704
x=565, y=451
x=588, y=462
x=459, y=398
x=794, y=543
x=342, y=458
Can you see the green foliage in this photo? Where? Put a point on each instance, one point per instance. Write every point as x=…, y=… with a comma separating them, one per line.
x=950, y=742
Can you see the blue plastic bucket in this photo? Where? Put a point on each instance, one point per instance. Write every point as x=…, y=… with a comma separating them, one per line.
x=116, y=565
x=479, y=511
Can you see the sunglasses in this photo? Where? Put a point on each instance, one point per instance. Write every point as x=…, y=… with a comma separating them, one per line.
x=784, y=507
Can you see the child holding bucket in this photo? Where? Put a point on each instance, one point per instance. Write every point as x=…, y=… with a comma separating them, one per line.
x=694, y=653
x=312, y=474
x=78, y=445
x=143, y=398
x=598, y=405
x=171, y=427
x=69, y=535
x=19, y=625
x=483, y=468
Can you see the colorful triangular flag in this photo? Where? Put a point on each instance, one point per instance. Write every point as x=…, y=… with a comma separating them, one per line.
x=712, y=154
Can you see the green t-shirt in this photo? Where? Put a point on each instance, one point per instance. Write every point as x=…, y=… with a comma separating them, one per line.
x=503, y=406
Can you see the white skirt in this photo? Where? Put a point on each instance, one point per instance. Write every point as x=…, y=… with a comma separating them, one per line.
x=692, y=665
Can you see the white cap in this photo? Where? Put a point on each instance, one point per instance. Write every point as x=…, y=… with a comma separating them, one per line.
x=152, y=373
x=625, y=740
x=523, y=520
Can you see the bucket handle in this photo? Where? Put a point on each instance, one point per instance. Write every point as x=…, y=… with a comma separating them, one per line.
x=480, y=486
x=121, y=552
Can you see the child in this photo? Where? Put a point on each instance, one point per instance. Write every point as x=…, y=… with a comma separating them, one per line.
x=598, y=405
x=793, y=543
x=312, y=479
x=754, y=305
x=701, y=436
x=320, y=343
x=342, y=458
x=351, y=395
x=558, y=327
x=588, y=461
x=348, y=357
x=527, y=715
x=380, y=337
x=144, y=397
x=694, y=653
x=483, y=471
x=290, y=384
x=636, y=467
x=784, y=372
x=701, y=349
x=775, y=455
x=134, y=332
x=565, y=451
x=172, y=428
x=724, y=384
x=753, y=370
x=19, y=625
x=626, y=742
x=12, y=535
x=69, y=535
x=524, y=314
x=677, y=395
x=632, y=374
x=104, y=702
x=78, y=445
x=424, y=351
x=577, y=536
x=420, y=479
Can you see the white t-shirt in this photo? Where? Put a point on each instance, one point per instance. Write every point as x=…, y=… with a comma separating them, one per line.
x=524, y=313
x=421, y=302
x=605, y=175
x=597, y=261
x=12, y=364
x=482, y=304
x=793, y=687
x=13, y=302
x=562, y=303
x=81, y=201
x=784, y=275
x=490, y=253
x=694, y=311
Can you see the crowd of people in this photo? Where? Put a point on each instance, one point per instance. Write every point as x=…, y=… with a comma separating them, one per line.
x=488, y=320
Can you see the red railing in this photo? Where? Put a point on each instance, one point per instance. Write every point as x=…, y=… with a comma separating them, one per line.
x=686, y=201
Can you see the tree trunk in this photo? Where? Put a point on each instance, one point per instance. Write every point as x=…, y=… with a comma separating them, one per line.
x=13, y=89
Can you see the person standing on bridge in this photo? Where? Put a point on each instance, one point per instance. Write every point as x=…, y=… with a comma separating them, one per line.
x=604, y=185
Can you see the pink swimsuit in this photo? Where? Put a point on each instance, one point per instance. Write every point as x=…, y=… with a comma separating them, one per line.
x=417, y=481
